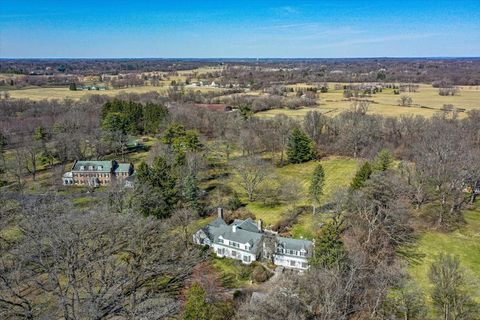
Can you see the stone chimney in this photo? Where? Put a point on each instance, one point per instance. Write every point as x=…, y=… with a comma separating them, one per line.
x=259, y=224
x=220, y=212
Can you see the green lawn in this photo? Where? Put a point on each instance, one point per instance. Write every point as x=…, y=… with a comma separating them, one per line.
x=465, y=243
x=339, y=172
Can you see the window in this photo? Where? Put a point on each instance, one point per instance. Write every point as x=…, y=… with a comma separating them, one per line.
x=234, y=253
x=304, y=265
x=234, y=244
x=292, y=263
x=246, y=258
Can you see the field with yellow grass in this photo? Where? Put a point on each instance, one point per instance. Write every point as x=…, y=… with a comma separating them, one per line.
x=65, y=93
x=426, y=102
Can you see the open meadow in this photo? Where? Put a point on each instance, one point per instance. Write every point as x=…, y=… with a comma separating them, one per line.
x=426, y=102
x=64, y=92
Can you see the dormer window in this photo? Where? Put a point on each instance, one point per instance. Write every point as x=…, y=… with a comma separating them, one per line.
x=90, y=168
x=100, y=167
x=82, y=167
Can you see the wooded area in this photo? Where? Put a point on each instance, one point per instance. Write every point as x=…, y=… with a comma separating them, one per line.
x=365, y=187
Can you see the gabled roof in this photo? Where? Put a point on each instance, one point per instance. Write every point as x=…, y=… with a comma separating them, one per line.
x=248, y=225
x=240, y=236
x=294, y=244
x=246, y=232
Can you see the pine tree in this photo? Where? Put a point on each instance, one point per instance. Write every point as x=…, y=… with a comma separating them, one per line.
x=383, y=160
x=40, y=134
x=300, y=147
x=361, y=176
x=329, y=248
x=153, y=115
x=157, y=192
x=196, y=306
x=190, y=191
x=73, y=86
x=316, y=186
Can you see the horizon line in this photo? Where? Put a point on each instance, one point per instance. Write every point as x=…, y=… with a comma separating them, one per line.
x=237, y=58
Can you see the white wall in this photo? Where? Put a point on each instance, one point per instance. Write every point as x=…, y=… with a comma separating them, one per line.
x=285, y=261
x=228, y=253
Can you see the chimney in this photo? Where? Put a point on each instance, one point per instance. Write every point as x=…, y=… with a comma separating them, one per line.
x=220, y=212
x=259, y=224
x=234, y=228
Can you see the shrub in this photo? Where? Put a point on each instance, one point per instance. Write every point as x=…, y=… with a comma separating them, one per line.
x=260, y=274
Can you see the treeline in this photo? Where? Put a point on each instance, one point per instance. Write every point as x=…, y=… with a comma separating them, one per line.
x=97, y=66
x=262, y=74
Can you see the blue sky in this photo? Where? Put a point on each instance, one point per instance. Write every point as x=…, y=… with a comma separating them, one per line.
x=203, y=29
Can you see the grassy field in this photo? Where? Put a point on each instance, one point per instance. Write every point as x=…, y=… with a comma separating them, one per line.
x=465, y=243
x=426, y=102
x=339, y=172
x=66, y=93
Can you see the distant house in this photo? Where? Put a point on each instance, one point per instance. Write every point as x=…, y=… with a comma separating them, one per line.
x=96, y=173
x=90, y=88
x=245, y=240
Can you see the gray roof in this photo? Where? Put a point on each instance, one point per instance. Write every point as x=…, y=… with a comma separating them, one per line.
x=246, y=231
x=294, y=244
x=240, y=236
x=248, y=225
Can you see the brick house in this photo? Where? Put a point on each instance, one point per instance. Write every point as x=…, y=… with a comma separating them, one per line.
x=96, y=173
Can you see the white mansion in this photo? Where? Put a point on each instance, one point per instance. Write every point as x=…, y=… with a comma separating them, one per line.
x=245, y=240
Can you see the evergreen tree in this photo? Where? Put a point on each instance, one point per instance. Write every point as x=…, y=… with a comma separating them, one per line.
x=245, y=111
x=316, y=186
x=196, y=306
x=153, y=115
x=300, y=147
x=383, y=160
x=73, y=86
x=329, y=248
x=156, y=193
x=181, y=141
x=3, y=142
x=361, y=176
x=191, y=191
x=115, y=122
x=40, y=134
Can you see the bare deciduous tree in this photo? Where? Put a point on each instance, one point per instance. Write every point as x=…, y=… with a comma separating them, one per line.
x=252, y=172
